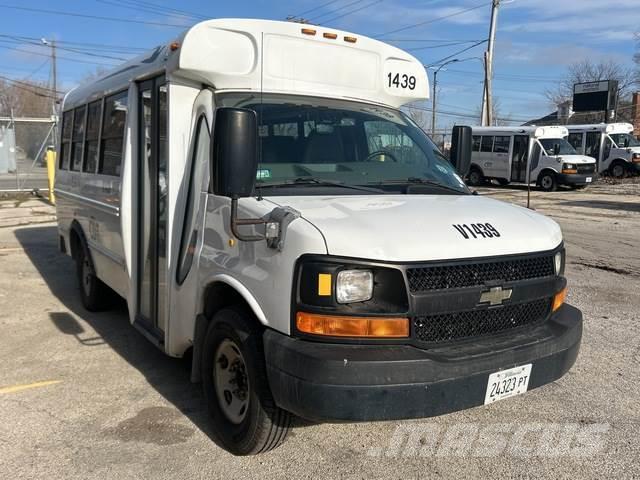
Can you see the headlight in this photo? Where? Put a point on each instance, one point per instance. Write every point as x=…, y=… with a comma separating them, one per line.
x=354, y=286
x=557, y=263
x=569, y=166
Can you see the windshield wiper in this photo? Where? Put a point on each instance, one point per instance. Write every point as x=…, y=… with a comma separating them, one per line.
x=420, y=181
x=317, y=181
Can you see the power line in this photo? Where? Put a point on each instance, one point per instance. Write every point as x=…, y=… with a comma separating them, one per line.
x=429, y=47
x=20, y=86
x=62, y=58
x=92, y=17
x=333, y=12
x=457, y=53
x=353, y=11
x=38, y=43
x=149, y=7
x=433, y=20
x=84, y=45
x=314, y=9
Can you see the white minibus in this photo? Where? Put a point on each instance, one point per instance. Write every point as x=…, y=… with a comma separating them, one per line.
x=616, y=150
x=528, y=154
x=256, y=194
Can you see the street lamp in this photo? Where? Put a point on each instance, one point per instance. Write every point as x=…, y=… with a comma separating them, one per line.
x=433, y=106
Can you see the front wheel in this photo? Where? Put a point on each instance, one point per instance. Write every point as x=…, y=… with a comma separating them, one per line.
x=618, y=170
x=475, y=177
x=548, y=182
x=246, y=420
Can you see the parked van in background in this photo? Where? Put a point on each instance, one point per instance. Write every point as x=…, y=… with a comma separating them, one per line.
x=616, y=150
x=528, y=154
x=255, y=193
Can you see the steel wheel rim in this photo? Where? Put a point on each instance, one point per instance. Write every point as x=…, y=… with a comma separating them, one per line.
x=617, y=171
x=231, y=381
x=546, y=182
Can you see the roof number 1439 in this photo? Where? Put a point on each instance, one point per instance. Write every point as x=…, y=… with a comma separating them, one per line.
x=402, y=81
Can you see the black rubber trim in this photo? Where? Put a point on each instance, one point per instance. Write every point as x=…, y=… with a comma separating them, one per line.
x=574, y=179
x=339, y=383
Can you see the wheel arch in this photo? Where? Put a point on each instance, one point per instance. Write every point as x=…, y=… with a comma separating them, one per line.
x=543, y=172
x=76, y=237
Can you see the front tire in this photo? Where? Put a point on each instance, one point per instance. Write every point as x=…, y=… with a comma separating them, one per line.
x=548, y=182
x=618, y=170
x=246, y=420
x=476, y=178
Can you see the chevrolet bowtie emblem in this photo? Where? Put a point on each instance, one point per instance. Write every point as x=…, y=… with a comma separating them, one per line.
x=496, y=295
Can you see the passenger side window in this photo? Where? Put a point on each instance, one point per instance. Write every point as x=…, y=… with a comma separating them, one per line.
x=476, y=143
x=78, y=138
x=93, y=133
x=487, y=144
x=113, y=123
x=65, y=146
x=501, y=144
x=199, y=162
x=575, y=139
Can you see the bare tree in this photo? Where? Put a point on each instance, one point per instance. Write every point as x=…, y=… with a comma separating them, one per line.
x=589, y=71
x=420, y=116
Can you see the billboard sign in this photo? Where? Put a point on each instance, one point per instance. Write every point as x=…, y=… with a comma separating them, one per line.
x=595, y=96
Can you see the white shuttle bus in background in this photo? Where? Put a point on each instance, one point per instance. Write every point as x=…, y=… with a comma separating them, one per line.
x=528, y=154
x=616, y=150
x=255, y=193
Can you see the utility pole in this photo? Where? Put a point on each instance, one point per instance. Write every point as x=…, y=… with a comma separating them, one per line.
x=433, y=102
x=54, y=84
x=487, y=112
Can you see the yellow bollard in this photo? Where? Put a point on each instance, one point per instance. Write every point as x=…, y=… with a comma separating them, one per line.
x=51, y=173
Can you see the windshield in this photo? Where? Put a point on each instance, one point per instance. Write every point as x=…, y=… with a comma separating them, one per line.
x=624, y=140
x=557, y=146
x=307, y=142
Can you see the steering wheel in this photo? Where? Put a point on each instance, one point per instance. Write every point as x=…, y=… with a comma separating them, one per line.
x=379, y=153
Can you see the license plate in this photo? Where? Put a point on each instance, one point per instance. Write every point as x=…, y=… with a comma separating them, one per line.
x=588, y=179
x=507, y=383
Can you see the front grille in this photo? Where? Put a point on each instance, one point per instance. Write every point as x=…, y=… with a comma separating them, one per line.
x=587, y=168
x=475, y=323
x=440, y=277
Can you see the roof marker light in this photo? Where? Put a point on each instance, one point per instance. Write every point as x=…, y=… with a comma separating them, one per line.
x=308, y=31
x=350, y=39
x=331, y=36
x=174, y=46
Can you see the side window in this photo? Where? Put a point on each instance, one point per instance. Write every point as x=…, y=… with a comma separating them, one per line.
x=78, y=138
x=501, y=144
x=487, y=144
x=285, y=130
x=535, y=156
x=199, y=162
x=608, y=143
x=575, y=139
x=113, y=122
x=93, y=133
x=592, y=145
x=476, y=143
x=65, y=146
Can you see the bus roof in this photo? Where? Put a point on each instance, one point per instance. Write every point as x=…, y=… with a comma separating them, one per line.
x=279, y=57
x=603, y=127
x=553, y=131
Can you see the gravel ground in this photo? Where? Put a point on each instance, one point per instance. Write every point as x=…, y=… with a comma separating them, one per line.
x=120, y=409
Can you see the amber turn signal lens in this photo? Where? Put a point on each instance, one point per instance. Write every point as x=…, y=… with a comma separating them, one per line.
x=308, y=31
x=559, y=299
x=350, y=39
x=332, y=36
x=343, y=326
x=569, y=171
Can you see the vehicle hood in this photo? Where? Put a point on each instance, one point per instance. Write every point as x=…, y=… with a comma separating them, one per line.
x=580, y=159
x=408, y=228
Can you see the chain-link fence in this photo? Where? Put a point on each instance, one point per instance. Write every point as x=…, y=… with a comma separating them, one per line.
x=23, y=147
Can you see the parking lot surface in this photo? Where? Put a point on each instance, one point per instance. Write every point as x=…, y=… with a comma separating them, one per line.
x=84, y=395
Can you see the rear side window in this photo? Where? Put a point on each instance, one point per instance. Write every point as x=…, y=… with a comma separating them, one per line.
x=487, y=144
x=93, y=133
x=65, y=146
x=476, y=143
x=501, y=145
x=114, y=120
x=78, y=138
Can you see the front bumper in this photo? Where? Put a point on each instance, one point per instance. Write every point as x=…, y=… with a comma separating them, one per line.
x=339, y=383
x=575, y=179
x=635, y=167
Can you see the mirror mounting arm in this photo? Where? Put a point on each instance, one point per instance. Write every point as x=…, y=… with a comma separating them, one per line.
x=236, y=222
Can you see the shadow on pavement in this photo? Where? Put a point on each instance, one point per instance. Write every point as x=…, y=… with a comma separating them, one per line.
x=169, y=376
x=604, y=205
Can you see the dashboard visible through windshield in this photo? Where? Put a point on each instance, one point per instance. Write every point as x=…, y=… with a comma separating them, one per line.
x=308, y=142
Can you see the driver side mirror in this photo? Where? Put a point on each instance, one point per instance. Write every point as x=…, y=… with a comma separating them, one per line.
x=556, y=149
x=461, y=140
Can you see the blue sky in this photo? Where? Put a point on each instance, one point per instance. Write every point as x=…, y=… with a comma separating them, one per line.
x=536, y=39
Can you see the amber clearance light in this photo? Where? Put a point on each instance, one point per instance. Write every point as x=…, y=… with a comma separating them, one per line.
x=559, y=298
x=344, y=326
